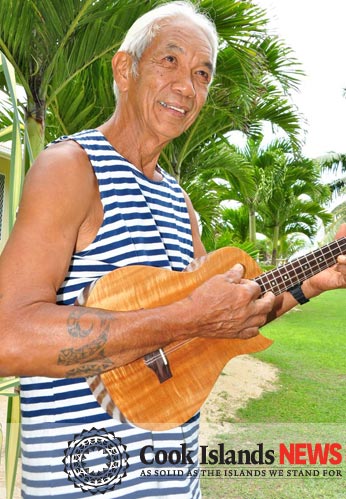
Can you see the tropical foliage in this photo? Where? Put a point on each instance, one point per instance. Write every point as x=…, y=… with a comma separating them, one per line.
x=333, y=170
x=283, y=196
x=335, y=163
x=67, y=80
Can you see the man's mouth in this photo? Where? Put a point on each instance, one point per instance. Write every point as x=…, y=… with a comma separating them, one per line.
x=174, y=108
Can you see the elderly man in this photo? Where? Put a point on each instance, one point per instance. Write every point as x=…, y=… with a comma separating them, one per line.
x=92, y=203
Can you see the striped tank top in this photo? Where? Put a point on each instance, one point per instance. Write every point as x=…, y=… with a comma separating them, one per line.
x=71, y=448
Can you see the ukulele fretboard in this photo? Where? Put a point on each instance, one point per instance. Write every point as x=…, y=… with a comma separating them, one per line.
x=300, y=269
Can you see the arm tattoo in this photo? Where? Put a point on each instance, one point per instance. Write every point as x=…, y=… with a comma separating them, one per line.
x=81, y=321
x=70, y=356
x=90, y=358
x=90, y=369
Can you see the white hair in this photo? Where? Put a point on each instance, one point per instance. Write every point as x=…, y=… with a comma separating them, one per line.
x=146, y=27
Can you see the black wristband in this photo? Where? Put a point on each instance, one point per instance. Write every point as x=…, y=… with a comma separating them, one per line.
x=298, y=294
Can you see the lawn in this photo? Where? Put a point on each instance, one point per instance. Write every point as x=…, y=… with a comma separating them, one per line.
x=307, y=409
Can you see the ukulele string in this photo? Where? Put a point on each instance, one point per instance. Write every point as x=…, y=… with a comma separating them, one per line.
x=169, y=350
x=298, y=275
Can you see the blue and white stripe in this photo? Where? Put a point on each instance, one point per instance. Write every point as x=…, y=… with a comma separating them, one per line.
x=145, y=222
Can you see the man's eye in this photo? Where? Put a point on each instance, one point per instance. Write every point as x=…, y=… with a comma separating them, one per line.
x=170, y=58
x=204, y=75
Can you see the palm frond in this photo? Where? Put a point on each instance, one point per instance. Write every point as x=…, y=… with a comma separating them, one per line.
x=16, y=166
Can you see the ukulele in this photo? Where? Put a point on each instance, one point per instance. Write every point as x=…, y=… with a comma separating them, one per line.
x=167, y=387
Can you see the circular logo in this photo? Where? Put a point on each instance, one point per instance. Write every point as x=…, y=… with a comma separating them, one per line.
x=95, y=461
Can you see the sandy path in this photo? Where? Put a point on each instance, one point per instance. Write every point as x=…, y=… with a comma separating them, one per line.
x=243, y=379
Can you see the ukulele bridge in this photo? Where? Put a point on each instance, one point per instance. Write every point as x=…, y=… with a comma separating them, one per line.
x=158, y=362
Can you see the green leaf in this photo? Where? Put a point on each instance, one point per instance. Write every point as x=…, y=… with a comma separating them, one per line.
x=6, y=134
x=16, y=164
x=6, y=383
x=12, y=449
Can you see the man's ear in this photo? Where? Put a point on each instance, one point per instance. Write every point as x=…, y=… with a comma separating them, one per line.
x=122, y=69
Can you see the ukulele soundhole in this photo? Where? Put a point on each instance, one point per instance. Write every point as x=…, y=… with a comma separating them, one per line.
x=158, y=362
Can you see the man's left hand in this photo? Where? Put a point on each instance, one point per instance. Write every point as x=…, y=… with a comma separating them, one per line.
x=332, y=278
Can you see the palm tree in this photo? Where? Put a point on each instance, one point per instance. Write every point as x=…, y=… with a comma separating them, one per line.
x=207, y=177
x=295, y=203
x=335, y=164
x=263, y=163
x=236, y=222
x=284, y=193
x=51, y=45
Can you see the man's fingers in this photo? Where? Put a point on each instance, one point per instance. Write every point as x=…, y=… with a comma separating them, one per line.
x=261, y=309
x=236, y=273
x=268, y=300
x=249, y=332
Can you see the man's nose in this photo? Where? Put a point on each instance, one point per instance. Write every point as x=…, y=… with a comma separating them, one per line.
x=183, y=84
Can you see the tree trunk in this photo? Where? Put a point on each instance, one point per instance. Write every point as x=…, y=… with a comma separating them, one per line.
x=275, y=245
x=35, y=126
x=252, y=225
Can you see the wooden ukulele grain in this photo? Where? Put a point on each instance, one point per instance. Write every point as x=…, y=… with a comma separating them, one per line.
x=195, y=364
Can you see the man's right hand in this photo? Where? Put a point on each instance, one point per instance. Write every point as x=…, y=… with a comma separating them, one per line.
x=229, y=306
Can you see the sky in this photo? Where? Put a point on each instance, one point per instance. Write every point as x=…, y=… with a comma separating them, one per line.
x=315, y=30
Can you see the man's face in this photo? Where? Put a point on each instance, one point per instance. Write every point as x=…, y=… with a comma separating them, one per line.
x=174, y=74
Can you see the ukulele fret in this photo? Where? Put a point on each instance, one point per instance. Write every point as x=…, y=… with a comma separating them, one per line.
x=286, y=276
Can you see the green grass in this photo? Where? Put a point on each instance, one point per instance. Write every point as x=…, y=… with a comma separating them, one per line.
x=310, y=351
x=309, y=405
